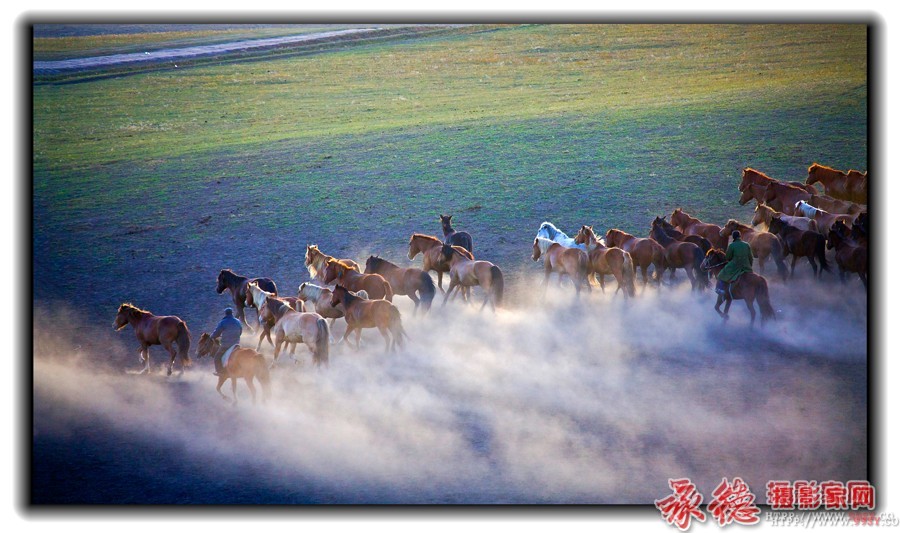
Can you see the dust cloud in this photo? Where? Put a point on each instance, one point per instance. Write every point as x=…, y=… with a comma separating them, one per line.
x=597, y=401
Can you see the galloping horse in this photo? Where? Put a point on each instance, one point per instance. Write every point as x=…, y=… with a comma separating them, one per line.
x=834, y=205
x=374, y=284
x=764, y=214
x=852, y=185
x=269, y=308
x=678, y=235
x=824, y=220
x=753, y=176
x=465, y=272
x=694, y=226
x=315, y=261
x=782, y=197
x=432, y=256
x=242, y=363
x=361, y=313
x=679, y=254
x=404, y=281
x=168, y=331
x=849, y=257
x=644, y=252
x=749, y=287
x=604, y=260
x=453, y=237
x=753, y=191
x=762, y=244
x=237, y=285
x=562, y=260
x=801, y=243
x=308, y=328
x=552, y=233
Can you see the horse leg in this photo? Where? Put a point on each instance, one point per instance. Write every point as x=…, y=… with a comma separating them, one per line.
x=749, y=302
x=719, y=299
x=695, y=284
x=330, y=329
x=727, y=307
x=388, y=345
x=793, y=264
x=415, y=299
x=146, y=358
x=441, y=281
x=358, y=337
x=222, y=379
x=172, y=354
x=812, y=263
x=249, y=380
x=278, y=343
x=233, y=391
x=448, y=292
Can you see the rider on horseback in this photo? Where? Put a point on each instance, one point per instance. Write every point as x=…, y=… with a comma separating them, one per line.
x=740, y=260
x=229, y=329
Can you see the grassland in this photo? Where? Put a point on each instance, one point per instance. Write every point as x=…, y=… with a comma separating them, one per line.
x=356, y=148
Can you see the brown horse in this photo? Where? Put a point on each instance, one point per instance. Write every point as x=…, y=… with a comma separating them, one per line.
x=694, y=226
x=557, y=258
x=679, y=254
x=242, y=363
x=465, y=272
x=763, y=214
x=308, y=328
x=644, y=252
x=849, y=257
x=834, y=205
x=762, y=244
x=749, y=287
x=752, y=176
x=170, y=332
x=361, y=313
x=824, y=220
x=784, y=198
x=801, y=243
x=237, y=286
x=408, y=281
x=852, y=185
x=315, y=261
x=453, y=237
x=432, y=256
x=374, y=284
x=678, y=235
x=604, y=260
x=320, y=299
x=753, y=191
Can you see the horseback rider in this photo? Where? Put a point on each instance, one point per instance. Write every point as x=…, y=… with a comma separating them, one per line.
x=739, y=259
x=229, y=329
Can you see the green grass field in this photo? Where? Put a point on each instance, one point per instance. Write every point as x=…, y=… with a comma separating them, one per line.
x=504, y=127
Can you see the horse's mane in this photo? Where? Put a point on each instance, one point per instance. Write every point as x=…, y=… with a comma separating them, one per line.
x=758, y=173
x=552, y=230
x=377, y=261
x=740, y=225
x=312, y=290
x=227, y=272
x=455, y=250
x=544, y=244
x=423, y=236
x=817, y=166
x=715, y=251
x=133, y=308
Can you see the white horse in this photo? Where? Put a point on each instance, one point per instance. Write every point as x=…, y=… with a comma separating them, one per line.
x=552, y=233
x=807, y=210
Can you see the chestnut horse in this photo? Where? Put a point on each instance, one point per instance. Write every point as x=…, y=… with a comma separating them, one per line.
x=374, y=284
x=749, y=287
x=242, y=363
x=320, y=297
x=604, y=260
x=679, y=254
x=465, y=272
x=833, y=205
x=753, y=191
x=849, y=257
x=453, y=237
x=308, y=328
x=269, y=308
x=678, y=235
x=763, y=214
x=432, y=256
x=801, y=243
x=644, y=252
x=562, y=260
x=852, y=185
x=404, y=281
x=237, y=286
x=694, y=226
x=315, y=260
x=762, y=244
x=749, y=175
x=170, y=332
x=361, y=313
x=784, y=198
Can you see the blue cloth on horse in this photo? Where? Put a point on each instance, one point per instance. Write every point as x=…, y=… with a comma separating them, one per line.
x=229, y=329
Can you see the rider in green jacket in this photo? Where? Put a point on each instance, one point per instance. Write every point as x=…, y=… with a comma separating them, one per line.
x=740, y=260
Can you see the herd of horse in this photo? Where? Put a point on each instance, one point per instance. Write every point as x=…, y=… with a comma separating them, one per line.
x=790, y=219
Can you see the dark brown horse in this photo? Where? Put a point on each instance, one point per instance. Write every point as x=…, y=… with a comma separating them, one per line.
x=679, y=254
x=852, y=185
x=432, y=257
x=604, y=260
x=801, y=243
x=694, y=226
x=763, y=245
x=361, y=313
x=453, y=237
x=749, y=287
x=753, y=176
x=237, y=286
x=573, y=262
x=678, y=235
x=784, y=198
x=242, y=363
x=849, y=256
x=404, y=281
x=644, y=252
x=170, y=332
x=374, y=284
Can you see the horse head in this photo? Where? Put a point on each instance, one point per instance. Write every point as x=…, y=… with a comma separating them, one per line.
x=714, y=258
x=221, y=285
x=413, y=248
x=445, y=220
x=337, y=295
x=535, y=250
x=312, y=250
x=122, y=316
x=207, y=345
x=371, y=264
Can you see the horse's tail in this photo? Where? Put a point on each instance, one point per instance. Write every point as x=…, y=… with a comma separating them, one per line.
x=820, y=253
x=183, y=340
x=322, y=336
x=497, y=285
x=262, y=374
x=426, y=291
x=702, y=276
x=628, y=274
x=765, y=306
x=469, y=245
x=396, y=326
x=388, y=292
